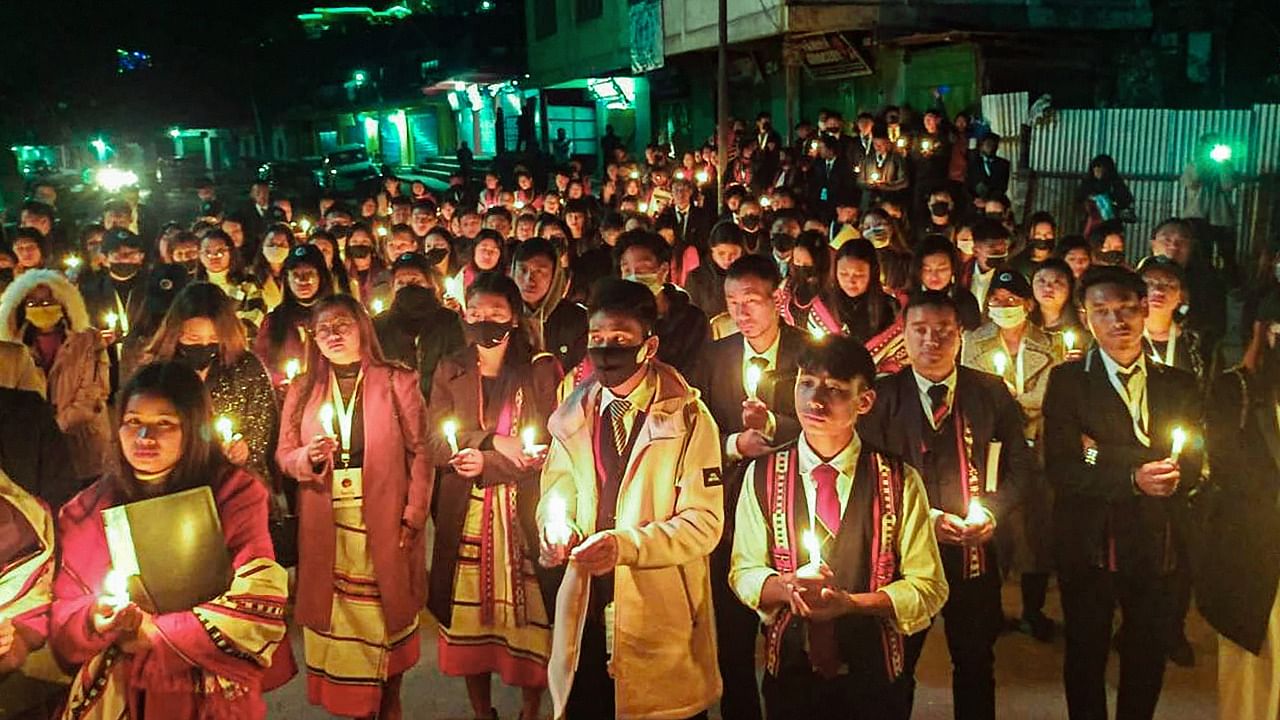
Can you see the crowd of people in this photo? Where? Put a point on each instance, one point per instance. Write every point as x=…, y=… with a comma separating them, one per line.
x=647, y=432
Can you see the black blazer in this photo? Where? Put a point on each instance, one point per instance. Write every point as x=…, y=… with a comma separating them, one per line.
x=1080, y=400
x=896, y=425
x=718, y=376
x=696, y=230
x=980, y=183
x=1237, y=558
x=839, y=183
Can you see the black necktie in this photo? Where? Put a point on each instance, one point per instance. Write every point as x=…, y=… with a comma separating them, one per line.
x=938, y=401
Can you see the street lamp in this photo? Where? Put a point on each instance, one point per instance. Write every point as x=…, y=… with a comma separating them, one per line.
x=1220, y=153
x=174, y=133
x=100, y=147
x=359, y=78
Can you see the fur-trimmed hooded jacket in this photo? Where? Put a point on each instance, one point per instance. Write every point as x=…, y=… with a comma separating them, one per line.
x=79, y=379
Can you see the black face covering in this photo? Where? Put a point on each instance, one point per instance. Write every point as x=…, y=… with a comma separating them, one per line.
x=1111, y=257
x=487, y=334
x=359, y=251
x=804, y=282
x=995, y=262
x=196, y=357
x=613, y=365
x=1041, y=245
x=939, y=209
x=125, y=270
x=191, y=266
x=750, y=222
x=414, y=301
x=783, y=242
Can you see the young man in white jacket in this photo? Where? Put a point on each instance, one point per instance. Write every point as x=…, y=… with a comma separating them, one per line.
x=632, y=502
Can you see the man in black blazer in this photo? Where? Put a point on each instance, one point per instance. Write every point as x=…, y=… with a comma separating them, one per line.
x=830, y=180
x=988, y=174
x=692, y=223
x=1110, y=420
x=964, y=431
x=749, y=428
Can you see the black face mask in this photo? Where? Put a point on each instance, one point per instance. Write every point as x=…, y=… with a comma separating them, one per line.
x=359, y=251
x=1041, y=245
x=614, y=365
x=196, y=357
x=995, y=262
x=783, y=242
x=939, y=209
x=487, y=334
x=414, y=301
x=124, y=270
x=750, y=222
x=1111, y=257
x=191, y=266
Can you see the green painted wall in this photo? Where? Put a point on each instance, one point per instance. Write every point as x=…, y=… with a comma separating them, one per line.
x=591, y=48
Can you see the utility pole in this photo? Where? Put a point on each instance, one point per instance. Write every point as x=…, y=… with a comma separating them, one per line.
x=722, y=102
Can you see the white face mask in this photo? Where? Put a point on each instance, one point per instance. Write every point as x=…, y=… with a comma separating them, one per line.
x=1008, y=317
x=653, y=281
x=965, y=246
x=275, y=254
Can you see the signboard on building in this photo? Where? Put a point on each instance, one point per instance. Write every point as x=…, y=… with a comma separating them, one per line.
x=646, y=35
x=830, y=56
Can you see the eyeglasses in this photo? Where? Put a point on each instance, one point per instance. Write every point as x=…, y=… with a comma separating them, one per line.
x=337, y=327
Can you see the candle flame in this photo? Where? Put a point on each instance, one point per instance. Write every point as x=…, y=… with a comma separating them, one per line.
x=326, y=418
x=450, y=429
x=754, y=374
x=292, y=367
x=813, y=547
x=1069, y=338
x=1001, y=362
x=225, y=428
x=377, y=306
x=977, y=514
x=817, y=333
x=115, y=589
x=111, y=319
x=72, y=262
x=1179, y=440
x=527, y=437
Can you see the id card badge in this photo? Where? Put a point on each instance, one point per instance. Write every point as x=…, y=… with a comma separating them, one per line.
x=348, y=487
x=608, y=629
x=823, y=195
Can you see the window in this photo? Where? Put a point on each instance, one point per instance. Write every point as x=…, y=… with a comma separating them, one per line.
x=544, y=18
x=579, y=124
x=589, y=9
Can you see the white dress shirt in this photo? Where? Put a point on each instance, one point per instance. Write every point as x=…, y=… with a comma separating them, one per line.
x=1136, y=397
x=922, y=387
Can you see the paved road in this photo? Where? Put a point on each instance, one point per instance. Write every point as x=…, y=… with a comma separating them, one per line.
x=1029, y=685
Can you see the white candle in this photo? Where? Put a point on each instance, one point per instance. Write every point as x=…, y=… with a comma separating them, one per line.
x=1179, y=439
x=326, y=419
x=558, y=532
x=450, y=428
x=702, y=177
x=1001, y=362
x=817, y=333
x=115, y=590
x=1069, y=339
x=291, y=369
x=453, y=288
x=811, y=570
x=225, y=429
x=752, y=380
x=110, y=319
x=977, y=515
x=529, y=438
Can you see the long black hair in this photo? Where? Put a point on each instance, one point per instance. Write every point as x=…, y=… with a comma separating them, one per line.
x=202, y=461
x=291, y=312
x=518, y=358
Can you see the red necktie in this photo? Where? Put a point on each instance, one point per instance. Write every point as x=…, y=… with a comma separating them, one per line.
x=828, y=501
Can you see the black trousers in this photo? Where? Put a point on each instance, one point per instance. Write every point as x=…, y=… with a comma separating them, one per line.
x=1147, y=606
x=800, y=694
x=592, y=694
x=972, y=621
x=737, y=628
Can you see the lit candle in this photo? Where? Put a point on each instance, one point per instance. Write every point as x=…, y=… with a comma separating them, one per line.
x=326, y=419
x=679, y=174
x=1069, y=339
x=558, y=531
x=529, y=438
x=110, y=319
x=377, y=306
x=382, y=230
x=902, y=142
x=225, y=429
x=875, y=176
x=1001, y=362
x=977, y=515
x=72, y=262
x=1179, y=439
x=817, y=333
x=305, y=224
x=644, y=207
x=765, y=201
x=519, y=204
x=753, y=379
x=702, y=177
x=635, y=175
x=115, y=590
x=811, y=570
x=924, y=145
x=291, y=369
x=450, y=428
x=453, y=287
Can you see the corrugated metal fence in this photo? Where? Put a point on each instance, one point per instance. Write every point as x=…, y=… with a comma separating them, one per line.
x=1151, y=148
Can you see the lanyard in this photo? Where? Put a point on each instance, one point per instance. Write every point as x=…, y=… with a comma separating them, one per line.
x=1170, y=349
x=346, y=413
x=122, y=311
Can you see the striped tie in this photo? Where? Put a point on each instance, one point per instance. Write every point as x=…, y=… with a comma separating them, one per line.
x=618, y=410
x=938, y=399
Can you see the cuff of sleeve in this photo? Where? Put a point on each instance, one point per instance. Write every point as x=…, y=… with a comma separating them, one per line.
x=628, y=550
x=731, y=453
x=935, y=513
x=771, y=425
x=766, y=616
x=902, y=599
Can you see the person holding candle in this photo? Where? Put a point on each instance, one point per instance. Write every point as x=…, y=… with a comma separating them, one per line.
x=202, y=330
x=363, y=495
x=556, y=325
x=753, y=410
x=26, y=574
x=935, y=266
x=965, y=432
x=220, y=265
x=44, y=313
x=864, y=308
x=1236, y=587
x=855, y=606
x=369, y=277
x=646, y=514
x=1027, y=353
x=1055, y=311
x=114, y=299
x=991, y=242
x=268, y=264
x=1109, y=421
x=484, y=590
x=211, y=661
x=417, y=330
x=283, y=335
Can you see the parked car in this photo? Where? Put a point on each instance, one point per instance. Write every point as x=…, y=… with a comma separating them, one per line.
x=349, y=168
x=180, y=172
